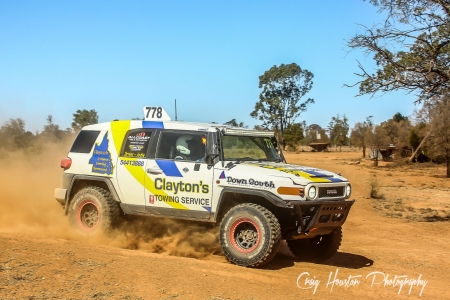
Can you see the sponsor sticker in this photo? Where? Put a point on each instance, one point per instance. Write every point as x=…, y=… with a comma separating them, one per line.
x=162, y=184
x=250, y=182
x=101, y=158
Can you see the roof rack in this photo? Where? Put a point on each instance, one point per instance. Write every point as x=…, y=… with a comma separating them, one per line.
x=248, y=132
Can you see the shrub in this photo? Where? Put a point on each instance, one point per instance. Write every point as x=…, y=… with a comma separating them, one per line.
x=375, y=190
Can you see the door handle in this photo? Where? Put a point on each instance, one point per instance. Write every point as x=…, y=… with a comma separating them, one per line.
x=154, y=170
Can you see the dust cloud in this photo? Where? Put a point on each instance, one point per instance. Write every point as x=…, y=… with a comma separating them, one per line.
x=27, y=206
x=172, y=237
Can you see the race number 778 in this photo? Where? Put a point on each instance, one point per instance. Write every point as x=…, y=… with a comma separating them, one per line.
x=156, y=110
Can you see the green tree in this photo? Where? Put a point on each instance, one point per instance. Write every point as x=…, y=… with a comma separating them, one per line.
x=14, y=127
x=14, y=135
x=235, y=123
x=422, y=129
x=397, y=129
x=439, y=142
x=416, y=135
x=338, y=128
x=52, y=131
x=83, y=118
x=279, y=103
x=411, y=49
x=379, y=139
x=323, y=136
x=293, y=135
x=361, y=134
x=313, y=132
x=260, y=127
x=398, y=117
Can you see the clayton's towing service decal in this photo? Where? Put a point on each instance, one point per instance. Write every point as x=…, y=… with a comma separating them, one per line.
x=118, y=130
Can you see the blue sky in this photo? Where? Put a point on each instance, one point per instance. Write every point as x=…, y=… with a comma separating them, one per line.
x=118, y=56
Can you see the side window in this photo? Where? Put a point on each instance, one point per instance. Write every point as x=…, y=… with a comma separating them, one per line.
x=181, y=145
x=136, y=143
x=84, y=141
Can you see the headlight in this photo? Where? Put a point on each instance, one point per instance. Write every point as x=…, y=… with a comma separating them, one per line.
x=312, y=192
x=348, y=190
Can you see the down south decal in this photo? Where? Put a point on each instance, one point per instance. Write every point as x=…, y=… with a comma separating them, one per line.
x=101, y=158
x=247, y=182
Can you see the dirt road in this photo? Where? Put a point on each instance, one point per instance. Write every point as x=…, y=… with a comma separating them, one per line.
x=388, y=250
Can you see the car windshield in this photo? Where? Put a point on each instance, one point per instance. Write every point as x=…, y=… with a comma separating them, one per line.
x=249, y=148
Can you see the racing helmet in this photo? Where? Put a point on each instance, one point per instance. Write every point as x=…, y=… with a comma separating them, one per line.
x=182, y=144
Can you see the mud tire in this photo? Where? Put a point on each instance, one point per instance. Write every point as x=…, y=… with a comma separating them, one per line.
x=318, y=248
x=250, y=235
x=93, y=210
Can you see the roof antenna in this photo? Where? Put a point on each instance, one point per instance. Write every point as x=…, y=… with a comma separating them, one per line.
x=176, y=118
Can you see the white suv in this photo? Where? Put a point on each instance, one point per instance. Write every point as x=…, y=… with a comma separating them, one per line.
x=232, y=176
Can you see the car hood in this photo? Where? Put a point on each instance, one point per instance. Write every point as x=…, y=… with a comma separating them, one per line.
x=298, y=174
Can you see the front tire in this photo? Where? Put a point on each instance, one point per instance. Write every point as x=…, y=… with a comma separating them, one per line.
x=250, y=235
x=93, y=210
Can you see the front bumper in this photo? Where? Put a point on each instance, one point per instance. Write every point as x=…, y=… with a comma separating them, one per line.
x=325, y=217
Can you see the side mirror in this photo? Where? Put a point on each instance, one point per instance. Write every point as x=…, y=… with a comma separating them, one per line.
x=209, y=159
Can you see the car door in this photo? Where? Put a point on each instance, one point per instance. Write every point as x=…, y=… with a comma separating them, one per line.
x=179, y=185
x=131, y=167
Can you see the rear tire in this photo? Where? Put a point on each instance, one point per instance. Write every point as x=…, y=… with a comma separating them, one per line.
x=250, y=235
x=93, y=210
x=318, y=248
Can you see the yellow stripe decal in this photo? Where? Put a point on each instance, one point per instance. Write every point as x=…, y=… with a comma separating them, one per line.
x=119, y=129
x=298, y=173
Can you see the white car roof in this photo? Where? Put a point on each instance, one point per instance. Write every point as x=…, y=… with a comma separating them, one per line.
x=181, y=125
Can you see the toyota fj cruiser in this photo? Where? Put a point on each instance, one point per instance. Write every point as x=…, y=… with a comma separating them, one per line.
x=231, y=176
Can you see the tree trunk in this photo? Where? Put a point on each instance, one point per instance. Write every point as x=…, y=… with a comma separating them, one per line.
x=420, y=146
x=448, y=166
x=364, y=151
x=375, y=163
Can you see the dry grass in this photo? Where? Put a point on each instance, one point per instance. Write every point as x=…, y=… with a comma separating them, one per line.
x=375, y=189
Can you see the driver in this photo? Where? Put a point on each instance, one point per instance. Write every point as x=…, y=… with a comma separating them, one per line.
x=190, y=147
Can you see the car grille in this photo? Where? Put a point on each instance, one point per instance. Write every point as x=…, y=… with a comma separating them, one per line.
x=331, y=191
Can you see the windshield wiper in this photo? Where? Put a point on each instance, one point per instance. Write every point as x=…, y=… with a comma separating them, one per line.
x=245, y=159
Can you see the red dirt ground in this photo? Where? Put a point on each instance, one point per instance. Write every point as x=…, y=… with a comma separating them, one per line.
x=404, y=233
